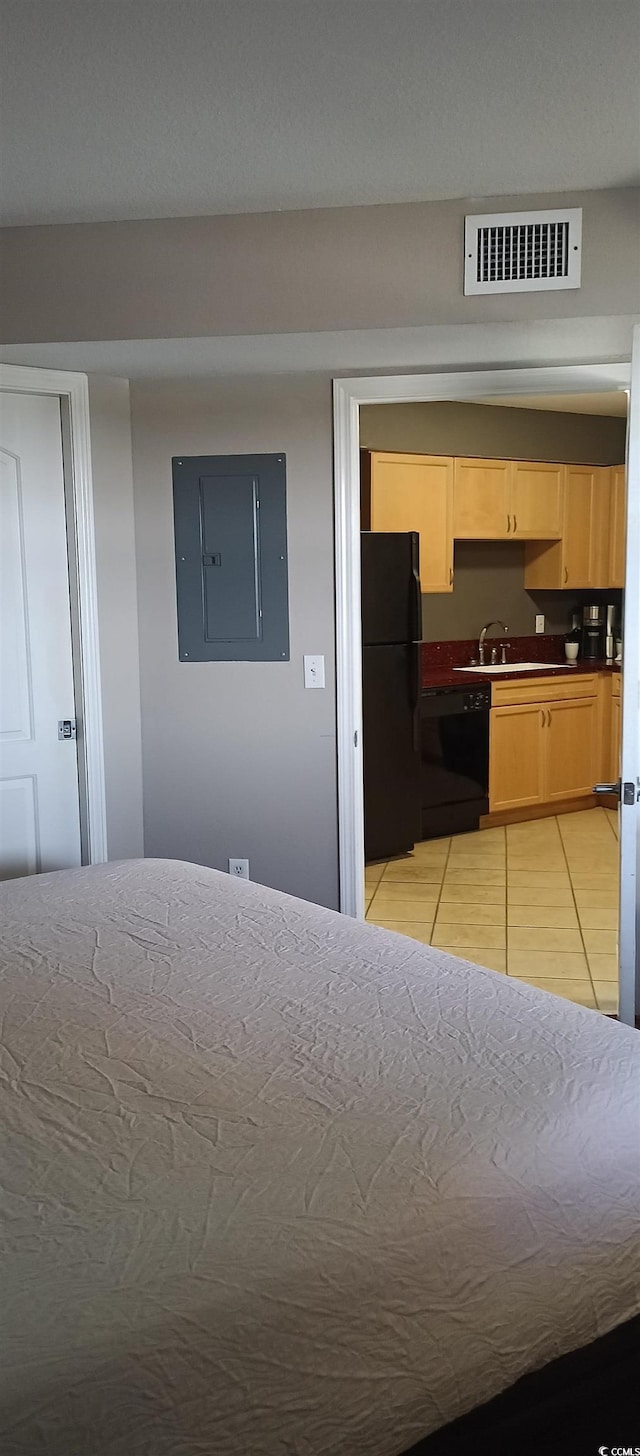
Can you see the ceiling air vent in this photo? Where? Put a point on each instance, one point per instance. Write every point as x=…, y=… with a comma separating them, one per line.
x=522, y=252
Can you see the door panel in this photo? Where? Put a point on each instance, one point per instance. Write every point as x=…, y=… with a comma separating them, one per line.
x=536, y=500
x=481, y=500
x=39, y=802
x=576, y=529
x=618, y=526
x=571, y=748
x=415, y=493
x=515, y=757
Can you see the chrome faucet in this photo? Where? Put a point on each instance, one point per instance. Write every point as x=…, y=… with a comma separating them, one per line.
x=482, y=636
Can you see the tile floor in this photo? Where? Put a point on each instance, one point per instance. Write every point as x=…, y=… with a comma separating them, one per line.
x=536, y=900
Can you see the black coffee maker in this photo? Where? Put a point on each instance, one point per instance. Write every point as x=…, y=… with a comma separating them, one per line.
x=593, y=632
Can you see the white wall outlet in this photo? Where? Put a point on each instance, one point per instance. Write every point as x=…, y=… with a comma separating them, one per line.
x=540, y=623
x=239, y=868
x=313, y=672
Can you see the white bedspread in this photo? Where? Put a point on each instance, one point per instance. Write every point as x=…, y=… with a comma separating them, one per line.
x=273, y=1182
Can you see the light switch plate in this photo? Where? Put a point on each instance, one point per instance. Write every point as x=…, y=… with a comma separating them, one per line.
x=313, y=672
x=540, y=623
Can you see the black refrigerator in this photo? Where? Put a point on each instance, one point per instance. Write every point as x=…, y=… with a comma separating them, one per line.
x=391, y=633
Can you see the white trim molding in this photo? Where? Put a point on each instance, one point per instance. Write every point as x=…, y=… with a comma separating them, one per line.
x=73, y=391
x=348, y=396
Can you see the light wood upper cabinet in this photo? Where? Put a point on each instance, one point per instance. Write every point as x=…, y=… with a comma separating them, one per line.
x=506, y=500
x=617, y=539
x=415, y=493
x=481, y=499
x=536, y=500
x=580, y=560
x=516, y=762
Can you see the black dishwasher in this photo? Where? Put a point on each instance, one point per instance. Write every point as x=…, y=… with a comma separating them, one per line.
x=455, y=759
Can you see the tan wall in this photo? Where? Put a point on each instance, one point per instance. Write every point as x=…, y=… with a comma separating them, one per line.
x=238, y=758
x=289, y=272
x=117, y=613
x=449, y=428
x=489, y=576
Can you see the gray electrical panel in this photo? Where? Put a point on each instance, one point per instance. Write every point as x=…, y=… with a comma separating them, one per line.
x=230, y=517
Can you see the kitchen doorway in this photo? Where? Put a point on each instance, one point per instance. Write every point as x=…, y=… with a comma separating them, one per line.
x=598, y=833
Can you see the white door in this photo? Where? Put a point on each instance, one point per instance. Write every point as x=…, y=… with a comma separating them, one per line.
x=39, y=798
x=630, y=772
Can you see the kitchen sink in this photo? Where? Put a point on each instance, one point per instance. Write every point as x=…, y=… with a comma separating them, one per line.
x=517, y=667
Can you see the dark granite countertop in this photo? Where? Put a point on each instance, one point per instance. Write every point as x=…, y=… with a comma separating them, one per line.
x=450, y=677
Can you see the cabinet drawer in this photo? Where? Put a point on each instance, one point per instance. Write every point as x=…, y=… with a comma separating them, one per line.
x=543, y=689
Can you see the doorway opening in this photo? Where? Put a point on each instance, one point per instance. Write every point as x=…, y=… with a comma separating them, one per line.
x=518, y=875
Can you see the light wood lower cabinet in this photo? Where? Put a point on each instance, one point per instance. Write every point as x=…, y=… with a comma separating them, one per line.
x=516, y=766
x=615, y=729
x=544, y=752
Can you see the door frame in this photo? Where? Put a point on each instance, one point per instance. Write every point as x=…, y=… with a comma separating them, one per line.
x=348, y=396
x=73, y=392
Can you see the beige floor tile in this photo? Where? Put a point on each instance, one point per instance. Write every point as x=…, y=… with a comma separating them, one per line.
x=404, y=890
x=578, y=991
x=494, y=960
x=599, y=918
x=482, y=861
x=558, y=894
x=596, y=899
x=537, y=831
x=367, y=901
x=604, y=967
x=457, y=913
x=414, y=929
x=601, y=942
x=455, y=894
x=547, y=916
x=408, y=872
x=539, y=879
x=606, y=997
x=430, y=849
x=374, y=872
x=481, y=836
x=435, y=844
x=592, y=880
x=536, y=863
x=385, y=909
x=551, y=964
x=535, y=938
x=585, y=861
x=475, y=875
x=469, y=935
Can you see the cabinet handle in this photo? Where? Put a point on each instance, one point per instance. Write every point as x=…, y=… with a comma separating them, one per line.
x=450, y=576
x=566, y=574
x=515, y=524
x=508, y=524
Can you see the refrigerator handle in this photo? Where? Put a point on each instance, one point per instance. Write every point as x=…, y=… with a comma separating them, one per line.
x=416, y=685
x=416, y=626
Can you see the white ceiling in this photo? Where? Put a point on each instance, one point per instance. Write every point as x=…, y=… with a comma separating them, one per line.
x=612, y=403
x=156, y=108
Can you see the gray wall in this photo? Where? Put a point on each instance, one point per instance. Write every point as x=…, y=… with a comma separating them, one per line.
x=117, y=612
x=489, y=576
x=238, y=758
x=289, y=272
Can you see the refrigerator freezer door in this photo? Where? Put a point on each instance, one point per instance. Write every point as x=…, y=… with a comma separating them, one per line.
x=391, y=600
x=391, y=755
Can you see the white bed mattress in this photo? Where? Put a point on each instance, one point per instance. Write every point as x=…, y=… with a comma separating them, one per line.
x=274, y=1182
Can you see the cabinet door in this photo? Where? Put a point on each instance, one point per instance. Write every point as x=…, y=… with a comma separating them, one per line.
x=618, y=524
x=536, y=500
x=570, y=738
x=516, y=770
x=615, y=740
x=577, y=563
x=481, y=510
x=415, y=493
